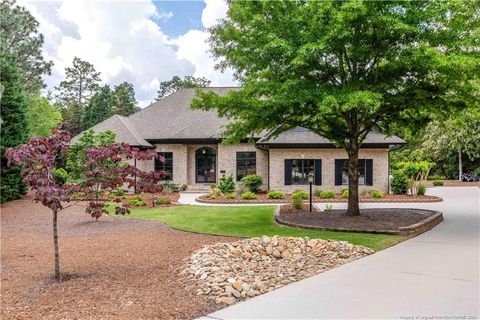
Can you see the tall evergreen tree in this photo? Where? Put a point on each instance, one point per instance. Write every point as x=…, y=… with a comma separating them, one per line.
x=74, y=93
x=19, y=37
x=42, y=116
x=14, y=129
x=125, y=102
x=99, y=108
x=176, y=83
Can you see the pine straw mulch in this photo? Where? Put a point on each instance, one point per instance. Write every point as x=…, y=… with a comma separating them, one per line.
x=116, y=268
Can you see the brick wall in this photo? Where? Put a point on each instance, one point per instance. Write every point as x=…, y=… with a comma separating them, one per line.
x=328, y=156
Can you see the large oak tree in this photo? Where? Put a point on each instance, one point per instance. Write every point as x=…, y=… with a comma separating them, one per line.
x=340, y=68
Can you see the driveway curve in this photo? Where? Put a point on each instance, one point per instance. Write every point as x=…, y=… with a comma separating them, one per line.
x=432, y=276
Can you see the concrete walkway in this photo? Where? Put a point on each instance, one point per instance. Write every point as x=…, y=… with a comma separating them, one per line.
x=435, y=274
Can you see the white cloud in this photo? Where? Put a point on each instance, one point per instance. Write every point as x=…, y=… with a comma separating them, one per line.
x=193, y=46
x=123, y=42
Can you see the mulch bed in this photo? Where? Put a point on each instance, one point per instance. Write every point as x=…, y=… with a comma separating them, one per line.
x=116, y=268
x=384, y=220
x=263, y=198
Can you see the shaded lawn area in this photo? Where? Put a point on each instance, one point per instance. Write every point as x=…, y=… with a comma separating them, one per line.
x=250, y=221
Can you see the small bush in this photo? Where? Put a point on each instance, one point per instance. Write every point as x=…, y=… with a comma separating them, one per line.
x=60, y=175
x=399, y=182
x=252, y=182
x=169, y=187
x=327, y=194
x=317, y=192
x=376, y=194
x=345, y=193
x=249, y=196
x=118, y=192
x=215, y=193
x=160, y=201
x=78, y=196
x=437, y=183
x=274, y=194
x=183, y=187
x=421, y=189
x=231, y=195
x=297, y=202
x=227, y=184
x=137, y=201
x=436, y=177
x=300, y=193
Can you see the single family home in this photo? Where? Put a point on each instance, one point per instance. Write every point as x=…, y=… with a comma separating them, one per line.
x=191, y=143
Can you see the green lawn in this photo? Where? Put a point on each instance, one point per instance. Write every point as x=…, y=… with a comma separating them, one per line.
x=249, y=221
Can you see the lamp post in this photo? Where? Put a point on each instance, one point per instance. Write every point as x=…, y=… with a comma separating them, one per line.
x=310, y=181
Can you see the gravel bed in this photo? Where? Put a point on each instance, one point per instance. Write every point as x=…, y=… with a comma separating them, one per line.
x=116, y=268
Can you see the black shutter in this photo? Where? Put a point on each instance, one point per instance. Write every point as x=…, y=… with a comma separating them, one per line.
x=288, y=172
x=369, y=172
x=338, y=171
x=318, y=172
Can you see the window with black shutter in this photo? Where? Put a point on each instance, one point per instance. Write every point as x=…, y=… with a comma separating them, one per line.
x=341, y=171
x=297, y=171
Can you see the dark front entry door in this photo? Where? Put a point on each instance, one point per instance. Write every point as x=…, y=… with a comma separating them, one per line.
x=205, y=165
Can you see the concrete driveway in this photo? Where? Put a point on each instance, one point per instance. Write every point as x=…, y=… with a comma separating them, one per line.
x=432, y=276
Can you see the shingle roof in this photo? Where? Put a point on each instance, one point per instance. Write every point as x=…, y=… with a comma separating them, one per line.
x=303, y=136
x=171, y=119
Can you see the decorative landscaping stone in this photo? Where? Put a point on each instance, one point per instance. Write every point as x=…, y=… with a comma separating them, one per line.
x=230, y=272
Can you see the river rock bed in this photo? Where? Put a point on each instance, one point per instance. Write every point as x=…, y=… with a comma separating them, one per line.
x=235, y=271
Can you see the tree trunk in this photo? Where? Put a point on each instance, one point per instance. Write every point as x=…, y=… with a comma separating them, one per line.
x=353, y=205
x=55, y=247
x=460, y=165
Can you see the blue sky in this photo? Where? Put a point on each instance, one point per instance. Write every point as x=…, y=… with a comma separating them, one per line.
x=186, y=15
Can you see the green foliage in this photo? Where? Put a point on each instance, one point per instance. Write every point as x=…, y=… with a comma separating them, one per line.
x=176, y=83
x=249, y=196
x=227, y=184
x=99, y=107
x=275, y=194
x=60, y=175
x=376, y=194
x=14, y=129
x=415, y=172
x=437, y=183
x=231, y=195
x=20, y=39
x=345, y=194
x=436, y=177
x=215, y=192
x=42, y=116
x=160, y=201
x=326, y=194
x=118, y=192
x=300, y=193
x=137, y=201
x=169, y=187
x=76, y=154
x=399, y=182
x=183, y=187
x=252, y=182
x=125, y=102
x=421, y=189
x=297, y=202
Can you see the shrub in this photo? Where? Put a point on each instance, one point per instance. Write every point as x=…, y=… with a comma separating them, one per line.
x=252, y=182
x=326, y=194
x=169, y=187
x=437, y=183
x=137, y=201
x=376, y=193
x=60, y=175
x=163, y=201
x=183, y=187
x=345, y=193
x=436, y=177
x=317, y=192
x=421, y=189
x=399, y=182
x=297, y=202
x=118, y=192
x=274, y=194
x=300, y=193
x=249, y=196
x=231, y=195
x=215, y=192
x=227, y=184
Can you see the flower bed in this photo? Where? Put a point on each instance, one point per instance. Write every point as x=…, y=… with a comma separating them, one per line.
x=263, y=198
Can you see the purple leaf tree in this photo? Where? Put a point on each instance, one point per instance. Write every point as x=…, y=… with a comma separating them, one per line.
x=108, y=168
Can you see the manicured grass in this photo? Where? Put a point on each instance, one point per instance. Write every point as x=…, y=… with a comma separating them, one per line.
x=249, y=221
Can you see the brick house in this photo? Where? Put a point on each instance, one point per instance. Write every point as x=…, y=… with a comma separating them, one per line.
x=191, y=143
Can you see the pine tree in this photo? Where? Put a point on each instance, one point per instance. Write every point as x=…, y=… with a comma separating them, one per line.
x=14, y=129
x=99, y=108
x=125, y=102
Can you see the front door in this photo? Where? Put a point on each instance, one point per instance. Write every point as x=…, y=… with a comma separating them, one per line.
x=205, y=165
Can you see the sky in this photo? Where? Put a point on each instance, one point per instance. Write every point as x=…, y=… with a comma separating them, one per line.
x=140, y=41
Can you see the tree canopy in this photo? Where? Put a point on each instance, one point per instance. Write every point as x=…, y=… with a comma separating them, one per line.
x=125, y=102
x=173, y=85
x=42, y=116
x=341, y=68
